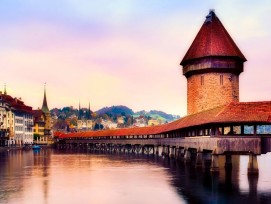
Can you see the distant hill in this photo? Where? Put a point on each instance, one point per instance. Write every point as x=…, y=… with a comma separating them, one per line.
x=67, y=112
x=115, y=110
x=157, y=115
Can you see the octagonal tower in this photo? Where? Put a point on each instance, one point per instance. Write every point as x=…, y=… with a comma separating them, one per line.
x=212, y=66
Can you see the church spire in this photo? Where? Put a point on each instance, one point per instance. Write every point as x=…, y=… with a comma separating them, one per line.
x=45, y=108
x=79, y=114
x=5, y=89
x=89, y=113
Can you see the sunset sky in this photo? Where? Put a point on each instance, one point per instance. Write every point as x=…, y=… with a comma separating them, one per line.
x=122, y=52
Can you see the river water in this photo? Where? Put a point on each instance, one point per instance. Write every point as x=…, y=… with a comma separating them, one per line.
x=53, y=177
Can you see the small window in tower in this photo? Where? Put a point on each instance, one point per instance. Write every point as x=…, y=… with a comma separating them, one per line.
x=202, y=80
x=221, y=79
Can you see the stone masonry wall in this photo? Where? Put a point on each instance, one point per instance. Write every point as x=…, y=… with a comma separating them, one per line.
x=209, y=90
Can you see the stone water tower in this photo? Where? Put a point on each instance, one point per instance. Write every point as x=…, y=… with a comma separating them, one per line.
x=212, y=66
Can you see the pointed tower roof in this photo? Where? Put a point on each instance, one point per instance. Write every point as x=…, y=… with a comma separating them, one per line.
x=79, y=112
x=212, y=40
x=45, y=108
x=89, y=112
x=5, y=89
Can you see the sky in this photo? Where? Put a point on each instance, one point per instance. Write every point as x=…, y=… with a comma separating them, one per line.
x=122, y=52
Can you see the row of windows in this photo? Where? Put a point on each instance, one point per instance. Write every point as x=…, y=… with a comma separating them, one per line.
x=19, y=121
x=221, y=80
x=124, y=137
x=18, y=128
x=3, y=115
x=223, y=130
x=23, y=121
x=18, y=136
x=39, y=130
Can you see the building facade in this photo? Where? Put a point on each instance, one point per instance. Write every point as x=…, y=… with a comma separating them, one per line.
x=23, y=122
x=6, y=119
x=84, y=121
x=16, y=121
x=153, y=122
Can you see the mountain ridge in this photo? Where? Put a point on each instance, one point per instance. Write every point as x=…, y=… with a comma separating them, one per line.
x=114, y=112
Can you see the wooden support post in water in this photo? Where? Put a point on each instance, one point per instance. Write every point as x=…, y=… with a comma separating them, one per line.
x=199, y=159
x=172, y=152
x=177, y=152
x=163, y=150
x=253, y=165
x=228, y=162
x=214, y=165
x=157, y=150
x=182, y=153
x=187, y=155
x=167, y=151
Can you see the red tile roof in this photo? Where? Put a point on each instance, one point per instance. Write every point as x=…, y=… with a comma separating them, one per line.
x=234, y=112
x=212, y=40
x=37, y=116
x=16, y=103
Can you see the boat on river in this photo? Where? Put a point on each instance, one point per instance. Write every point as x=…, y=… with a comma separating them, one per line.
x=36, y=147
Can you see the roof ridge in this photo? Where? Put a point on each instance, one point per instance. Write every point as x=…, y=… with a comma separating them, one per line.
x=223, y=109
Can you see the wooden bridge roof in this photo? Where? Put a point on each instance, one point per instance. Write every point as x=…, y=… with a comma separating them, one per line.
x=241, y=112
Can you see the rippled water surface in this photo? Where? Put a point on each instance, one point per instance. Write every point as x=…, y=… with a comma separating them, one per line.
x=50, y=176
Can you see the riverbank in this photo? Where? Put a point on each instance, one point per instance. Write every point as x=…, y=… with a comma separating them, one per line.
x=3, y=149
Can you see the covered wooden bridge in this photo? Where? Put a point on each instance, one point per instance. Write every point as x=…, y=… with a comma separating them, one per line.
x=235, y=128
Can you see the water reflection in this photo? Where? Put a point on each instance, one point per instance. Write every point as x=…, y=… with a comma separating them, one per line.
x=49, y=176
x=204, y=187
x=16, y=167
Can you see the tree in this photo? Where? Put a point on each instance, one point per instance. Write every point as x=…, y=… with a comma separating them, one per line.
x=98, y=126
x=60, y=124
x=94, y=115
x=36, y=136
x=105, y=117
x=129, y=121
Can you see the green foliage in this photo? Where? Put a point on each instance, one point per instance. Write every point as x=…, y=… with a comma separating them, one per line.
x=116, y=111
x=154, y=114
x=108, y=113
x=67, y=112
x=36, y=136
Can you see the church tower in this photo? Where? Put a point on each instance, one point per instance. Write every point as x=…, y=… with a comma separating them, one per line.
x=79, y=119
x=47, y=115
x=89, y=121
x=212, y=66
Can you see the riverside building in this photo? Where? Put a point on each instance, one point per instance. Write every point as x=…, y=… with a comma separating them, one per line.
x=16, y=121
